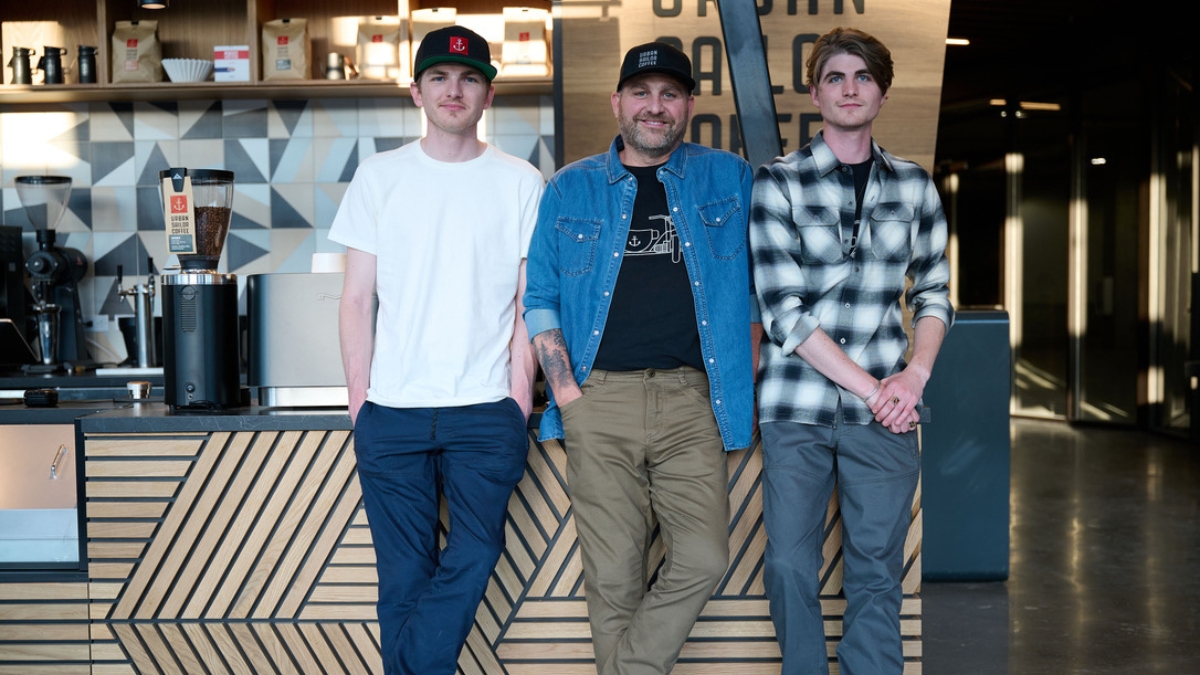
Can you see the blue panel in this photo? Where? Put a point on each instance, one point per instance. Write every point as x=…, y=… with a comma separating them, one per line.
x=965, y=453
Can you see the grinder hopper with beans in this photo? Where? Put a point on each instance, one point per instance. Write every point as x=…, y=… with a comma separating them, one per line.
x=199, y=304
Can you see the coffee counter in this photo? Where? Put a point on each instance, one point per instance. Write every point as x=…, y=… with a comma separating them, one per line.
x=15, y=412
x=157, y=418
x=86, y=388
x=237, y=542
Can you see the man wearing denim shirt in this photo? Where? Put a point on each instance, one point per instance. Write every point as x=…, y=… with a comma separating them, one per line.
x=640, y=307
x=836, y=228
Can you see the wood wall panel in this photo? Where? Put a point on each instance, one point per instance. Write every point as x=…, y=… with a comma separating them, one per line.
x=596, y=35
x=44, y=628
x=41, y=669
x=246, y=535
x=547, y=630
x=261, y=561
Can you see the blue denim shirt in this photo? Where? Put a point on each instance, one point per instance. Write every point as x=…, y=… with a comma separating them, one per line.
x=577, y=250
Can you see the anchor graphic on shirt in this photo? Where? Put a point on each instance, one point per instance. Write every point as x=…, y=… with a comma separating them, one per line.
x=655, y=240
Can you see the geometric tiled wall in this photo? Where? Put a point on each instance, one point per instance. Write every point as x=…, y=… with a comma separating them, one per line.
x=292, y=158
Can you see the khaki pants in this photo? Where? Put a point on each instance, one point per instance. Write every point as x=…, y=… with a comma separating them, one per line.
x=644, y=446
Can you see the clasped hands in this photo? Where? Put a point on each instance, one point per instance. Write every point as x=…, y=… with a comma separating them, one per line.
x=894, y=402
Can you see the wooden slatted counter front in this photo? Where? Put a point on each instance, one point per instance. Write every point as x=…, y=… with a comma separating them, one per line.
x=238, y=543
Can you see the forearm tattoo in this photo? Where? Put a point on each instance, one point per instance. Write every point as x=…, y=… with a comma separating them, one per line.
x=551, y=350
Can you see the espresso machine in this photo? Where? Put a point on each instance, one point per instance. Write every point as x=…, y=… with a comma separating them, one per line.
x=54, y=275
x=199, y=304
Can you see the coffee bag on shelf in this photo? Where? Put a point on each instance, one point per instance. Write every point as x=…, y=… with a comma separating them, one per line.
x=382, y=48
x=136, y=52
x=287, y=54
x=525, y=51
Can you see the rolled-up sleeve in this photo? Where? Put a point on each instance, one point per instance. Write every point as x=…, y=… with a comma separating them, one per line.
x=542, y=270
x=929, y=294
x=778, y=278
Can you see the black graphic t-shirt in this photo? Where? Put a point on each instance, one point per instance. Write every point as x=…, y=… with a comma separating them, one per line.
x=652, y=320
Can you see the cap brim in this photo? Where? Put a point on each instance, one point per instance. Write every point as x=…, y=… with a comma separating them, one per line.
x=486, y=68
x=689, y=84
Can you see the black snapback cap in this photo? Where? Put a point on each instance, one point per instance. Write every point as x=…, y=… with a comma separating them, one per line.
x=454, y=44
x=657, y=57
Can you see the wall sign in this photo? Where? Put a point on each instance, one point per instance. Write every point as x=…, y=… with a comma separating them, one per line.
x=597, y=34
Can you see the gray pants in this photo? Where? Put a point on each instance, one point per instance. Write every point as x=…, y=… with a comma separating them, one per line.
x=876, y=474
x=641, y=446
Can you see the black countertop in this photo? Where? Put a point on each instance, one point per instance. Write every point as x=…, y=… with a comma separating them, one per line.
x=122, y=415
x=83, y=387
x=16, y=412
x=16, y=379
x=157, y=417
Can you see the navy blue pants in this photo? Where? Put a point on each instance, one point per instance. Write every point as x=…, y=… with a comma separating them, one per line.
x=474, y=456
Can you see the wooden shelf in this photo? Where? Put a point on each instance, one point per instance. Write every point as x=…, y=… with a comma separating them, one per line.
x=298, y=89
x=191, y=29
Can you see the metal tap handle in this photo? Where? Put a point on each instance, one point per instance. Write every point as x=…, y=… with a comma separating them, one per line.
x=58, y=457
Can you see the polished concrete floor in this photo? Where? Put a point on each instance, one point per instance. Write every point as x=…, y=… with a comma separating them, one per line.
x=1104, y=575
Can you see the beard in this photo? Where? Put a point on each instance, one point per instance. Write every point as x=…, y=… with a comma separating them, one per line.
x=652, y=143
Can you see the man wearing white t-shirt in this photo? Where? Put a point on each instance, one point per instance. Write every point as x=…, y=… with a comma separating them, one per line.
x=440, y=382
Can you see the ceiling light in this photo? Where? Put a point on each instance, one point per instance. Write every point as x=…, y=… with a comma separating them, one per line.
x=153, y=4
x=958, y=42
x=1033, y=105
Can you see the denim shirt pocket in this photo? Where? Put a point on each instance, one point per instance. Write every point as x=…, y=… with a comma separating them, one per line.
x=819, y=230
x=891, y=231
x=725, y=225
x=577, y=242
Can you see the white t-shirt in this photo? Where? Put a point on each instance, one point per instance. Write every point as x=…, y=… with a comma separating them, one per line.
x=449, y=238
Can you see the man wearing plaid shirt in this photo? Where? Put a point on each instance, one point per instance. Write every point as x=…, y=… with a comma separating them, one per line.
x=836, y=228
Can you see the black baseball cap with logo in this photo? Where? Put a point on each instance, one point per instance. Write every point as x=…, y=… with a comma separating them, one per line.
x=657, y=57
x=454, y=44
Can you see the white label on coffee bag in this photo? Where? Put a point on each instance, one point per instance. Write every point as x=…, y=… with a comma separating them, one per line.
x=179, y=213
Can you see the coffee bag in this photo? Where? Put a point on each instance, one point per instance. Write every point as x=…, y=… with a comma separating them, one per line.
x=380, y=41
x=136, y=52
x=287, y=54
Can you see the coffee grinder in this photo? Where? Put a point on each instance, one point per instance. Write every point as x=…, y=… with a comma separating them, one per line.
x=54, y=275
x=199, y=304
